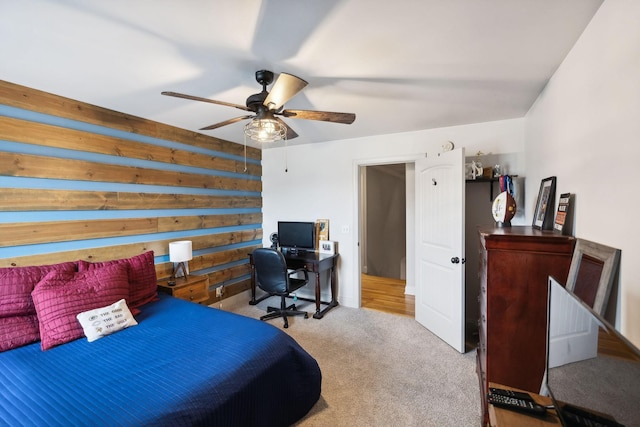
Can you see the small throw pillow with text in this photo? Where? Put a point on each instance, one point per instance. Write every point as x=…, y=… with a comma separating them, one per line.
x=103, y=321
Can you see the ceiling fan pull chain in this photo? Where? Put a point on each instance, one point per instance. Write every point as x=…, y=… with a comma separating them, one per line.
x=286, y=160
x=245, y=154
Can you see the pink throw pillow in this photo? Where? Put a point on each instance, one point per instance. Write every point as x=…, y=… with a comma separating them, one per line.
x=18, y=320
x=60, y=296
x=142, y=277
x=17, y=283
x=17, y=331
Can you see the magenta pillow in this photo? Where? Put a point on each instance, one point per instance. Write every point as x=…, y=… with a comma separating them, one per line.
x=18, y=320
x=142, y=277
x=61, y=295
x=17, y=283
x=17, y=331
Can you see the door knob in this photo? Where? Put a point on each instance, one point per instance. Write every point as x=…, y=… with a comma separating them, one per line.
x=455, y=260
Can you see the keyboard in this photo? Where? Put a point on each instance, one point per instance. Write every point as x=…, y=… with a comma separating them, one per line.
x=577, y=417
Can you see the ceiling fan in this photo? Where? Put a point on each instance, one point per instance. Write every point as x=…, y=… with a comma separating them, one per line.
x=265, y=126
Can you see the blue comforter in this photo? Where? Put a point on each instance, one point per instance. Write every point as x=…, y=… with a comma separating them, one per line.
x=184, y=364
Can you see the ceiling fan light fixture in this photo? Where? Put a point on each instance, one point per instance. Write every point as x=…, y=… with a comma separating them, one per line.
x=265, y=130
x=265, y=127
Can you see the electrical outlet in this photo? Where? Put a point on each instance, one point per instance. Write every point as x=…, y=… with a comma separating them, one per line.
x=219, y=291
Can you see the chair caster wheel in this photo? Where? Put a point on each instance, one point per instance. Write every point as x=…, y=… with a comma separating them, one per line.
x=306, y=316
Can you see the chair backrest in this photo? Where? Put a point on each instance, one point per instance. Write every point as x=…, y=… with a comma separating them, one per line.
x=271, y=270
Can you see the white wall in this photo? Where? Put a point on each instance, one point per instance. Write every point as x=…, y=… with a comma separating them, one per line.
x=321, y=181
x=585, y=129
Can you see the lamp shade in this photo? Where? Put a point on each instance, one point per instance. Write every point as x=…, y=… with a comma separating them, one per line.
x=180, y=251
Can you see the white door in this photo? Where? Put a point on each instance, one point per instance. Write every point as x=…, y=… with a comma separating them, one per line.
x=440, y=245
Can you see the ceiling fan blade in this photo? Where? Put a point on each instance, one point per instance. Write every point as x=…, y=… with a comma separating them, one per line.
x=325, y=116
x=290, y=132
x=226, y=122
x=212, y=101
x=309, y=16
x=285, y=88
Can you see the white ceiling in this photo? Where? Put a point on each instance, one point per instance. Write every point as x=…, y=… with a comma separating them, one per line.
x=400, y=66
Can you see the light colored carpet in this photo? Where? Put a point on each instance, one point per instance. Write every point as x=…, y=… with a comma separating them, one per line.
x=380, y=369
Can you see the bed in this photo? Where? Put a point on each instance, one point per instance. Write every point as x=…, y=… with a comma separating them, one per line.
x=182, y=364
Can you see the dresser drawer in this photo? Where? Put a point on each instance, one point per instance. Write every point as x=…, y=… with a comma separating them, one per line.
x=191, y=288
x=196, y=292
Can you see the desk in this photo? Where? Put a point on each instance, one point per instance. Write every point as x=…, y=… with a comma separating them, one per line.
x=500, y=417
x=313, y=262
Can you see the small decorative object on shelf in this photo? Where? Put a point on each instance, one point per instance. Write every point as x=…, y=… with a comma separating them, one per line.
x=473, y=170
x=477, y=168
x=469, y=173
x=504, y=209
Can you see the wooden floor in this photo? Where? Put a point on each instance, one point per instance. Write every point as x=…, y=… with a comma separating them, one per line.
x=385, y=294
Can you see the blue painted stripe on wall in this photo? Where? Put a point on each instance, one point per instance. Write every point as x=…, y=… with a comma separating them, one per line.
x=40, y=150
x=201, y=252
x=45, y=248
x=36, y=216
x=232, y=246
x=33, y=116
x=61, y=184
x=224, y=266
x=234, y=280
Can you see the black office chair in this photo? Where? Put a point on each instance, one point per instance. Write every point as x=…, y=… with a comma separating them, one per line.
x=273, y=277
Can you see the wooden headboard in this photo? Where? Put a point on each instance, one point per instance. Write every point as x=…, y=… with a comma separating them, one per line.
x=79, y=181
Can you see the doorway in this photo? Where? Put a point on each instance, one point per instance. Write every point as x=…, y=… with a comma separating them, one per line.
x=383, y=262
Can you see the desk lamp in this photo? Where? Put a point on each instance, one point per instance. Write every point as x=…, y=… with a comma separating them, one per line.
x=179, y=253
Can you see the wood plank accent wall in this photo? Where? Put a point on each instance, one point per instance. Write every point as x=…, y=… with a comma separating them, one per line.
x=79, y=181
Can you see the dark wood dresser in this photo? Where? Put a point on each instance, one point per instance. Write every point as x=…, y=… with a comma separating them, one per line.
x=515, y=263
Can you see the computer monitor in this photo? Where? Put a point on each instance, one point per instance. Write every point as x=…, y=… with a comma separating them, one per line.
x=589, y=363
x=297, y=236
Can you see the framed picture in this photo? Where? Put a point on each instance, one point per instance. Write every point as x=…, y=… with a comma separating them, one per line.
x=327, y=247
x=322, y=230
x=593, y=269
x=543, y=215
x=564, y=211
